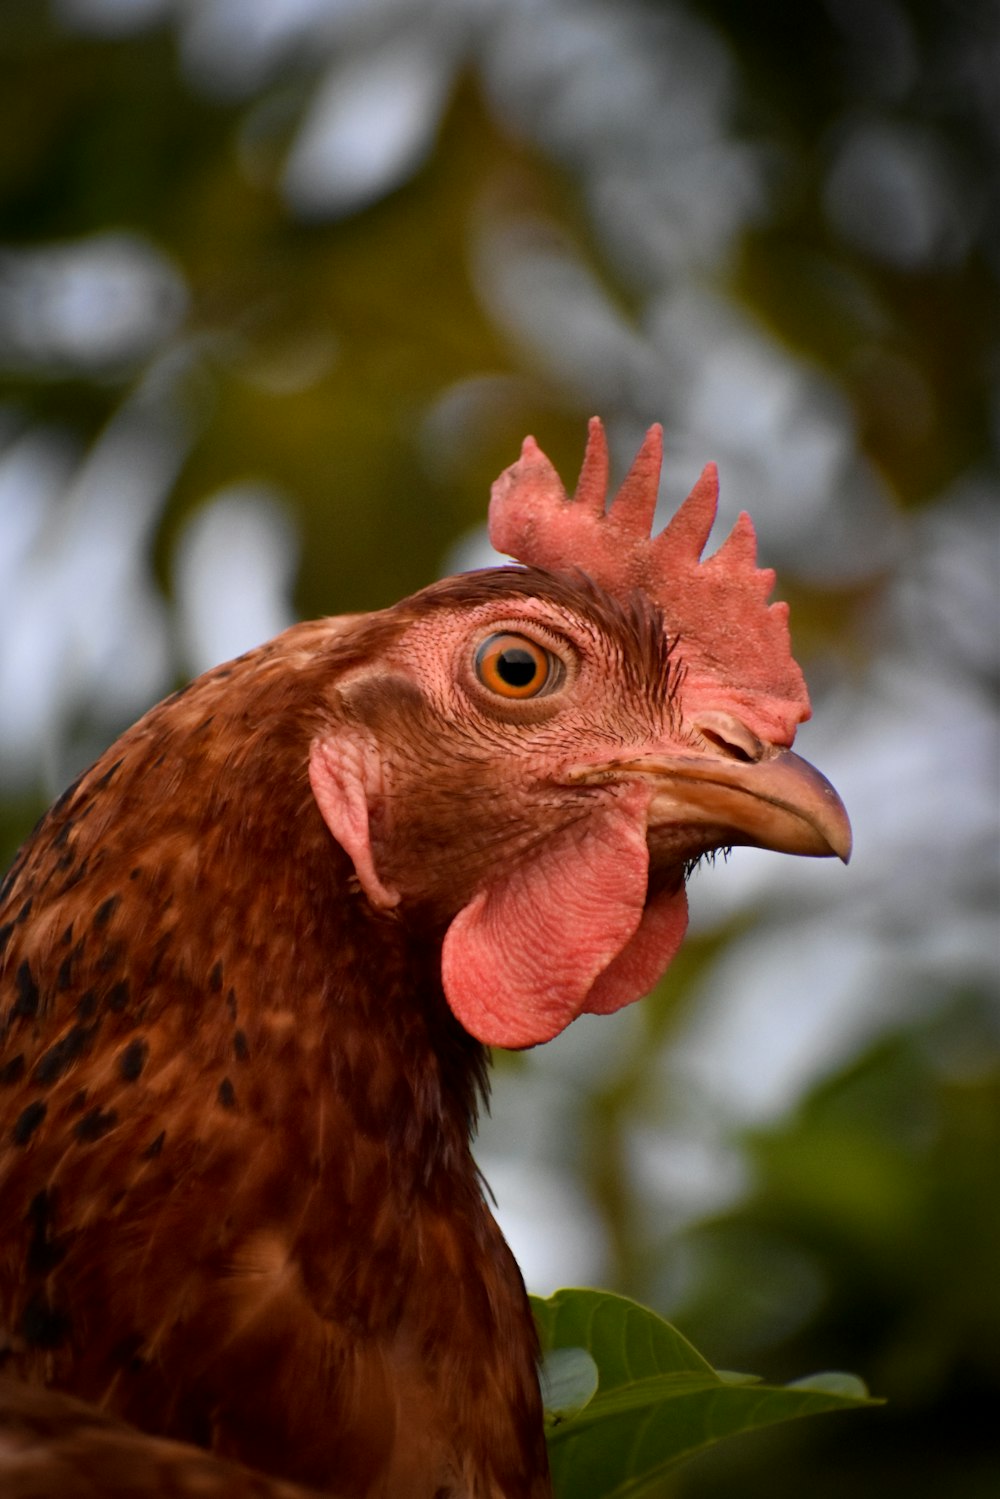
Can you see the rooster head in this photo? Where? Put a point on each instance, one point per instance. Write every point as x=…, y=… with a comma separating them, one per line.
x=529, y=760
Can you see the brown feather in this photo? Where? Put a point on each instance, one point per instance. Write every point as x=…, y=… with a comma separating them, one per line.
x=237, y=1118
x=55, y=1447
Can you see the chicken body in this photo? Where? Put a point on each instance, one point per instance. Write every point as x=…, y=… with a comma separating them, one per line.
x=238, y=1111
x=249, y=966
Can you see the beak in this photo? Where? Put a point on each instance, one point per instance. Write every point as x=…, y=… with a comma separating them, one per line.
x=776, y=800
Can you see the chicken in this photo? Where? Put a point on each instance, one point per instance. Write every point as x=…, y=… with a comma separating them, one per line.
x=55, y=1447
x=252, y=961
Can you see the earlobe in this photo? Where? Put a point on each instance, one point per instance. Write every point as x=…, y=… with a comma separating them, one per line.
x=345, y=772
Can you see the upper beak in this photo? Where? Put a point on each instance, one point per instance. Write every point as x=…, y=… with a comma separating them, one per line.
x=776, y=800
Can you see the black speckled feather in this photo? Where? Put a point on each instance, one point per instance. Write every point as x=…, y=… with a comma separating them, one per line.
x=238, y=1202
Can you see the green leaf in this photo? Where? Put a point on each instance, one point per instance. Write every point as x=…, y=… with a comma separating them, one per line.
x=833, y=1382
x=658, y=1401
x=569, y=1379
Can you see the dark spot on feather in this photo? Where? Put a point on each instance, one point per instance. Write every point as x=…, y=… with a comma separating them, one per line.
x=109, y=774
x=64, y=978
x=222, y=673
x=78, y=1101
x=78, y=873
x=60, y=1057
x=231, y=1002
x=5, y=932
x=240, y=1046
x=105, y=911
x=118, y=996
x=86, y=1005
x=95, y=1124
x=24, y=912
x=10, y=878
x=200, y=728
x=215, y=976
x=28, y=1121
x=125, y=1353
x=153, y=1150
x=63, y=798
x=27, y=992
x=133, y=1059
x=44, y=1249
x=227, y=1094
x=12, y=1071
x=67, y=936
x=134, y=874
x=43, y=1325
x=110, y=957
x=63, y=832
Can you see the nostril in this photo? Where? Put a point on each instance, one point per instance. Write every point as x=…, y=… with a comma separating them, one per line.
x=732, y=738
x=735, y=751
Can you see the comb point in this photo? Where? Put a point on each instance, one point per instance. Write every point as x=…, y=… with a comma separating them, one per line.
x=635, y=503
x=739, y=550
x=686, y=534
x=592, y=485
x=520, y=498
x=706, y=486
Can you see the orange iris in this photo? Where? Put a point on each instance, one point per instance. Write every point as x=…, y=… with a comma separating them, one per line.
x=513, y=666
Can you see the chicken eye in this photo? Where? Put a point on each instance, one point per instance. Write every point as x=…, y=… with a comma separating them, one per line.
x=514, y=666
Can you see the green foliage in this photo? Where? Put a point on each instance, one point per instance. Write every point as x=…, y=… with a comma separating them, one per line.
x=872, y=1236
x=657, y=1400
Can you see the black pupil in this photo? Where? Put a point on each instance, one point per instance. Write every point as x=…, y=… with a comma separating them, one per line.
x=517, y=667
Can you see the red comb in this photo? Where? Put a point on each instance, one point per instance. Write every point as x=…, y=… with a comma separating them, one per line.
x=730, y=638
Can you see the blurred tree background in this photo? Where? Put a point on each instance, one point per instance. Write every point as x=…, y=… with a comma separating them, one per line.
x=283, y=283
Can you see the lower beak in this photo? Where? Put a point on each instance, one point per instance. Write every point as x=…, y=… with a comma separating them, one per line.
x=778, y=801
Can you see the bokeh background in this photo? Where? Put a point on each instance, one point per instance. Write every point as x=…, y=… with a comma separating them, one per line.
x=283, y=283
